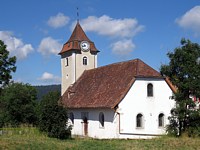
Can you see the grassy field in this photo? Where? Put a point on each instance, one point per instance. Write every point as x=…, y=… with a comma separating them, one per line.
x=32, y=139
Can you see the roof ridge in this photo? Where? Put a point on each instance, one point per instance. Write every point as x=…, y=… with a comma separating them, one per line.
x=137, y=67
x=116, y=63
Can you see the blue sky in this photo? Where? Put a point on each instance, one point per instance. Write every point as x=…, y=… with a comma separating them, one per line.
x=35, y=31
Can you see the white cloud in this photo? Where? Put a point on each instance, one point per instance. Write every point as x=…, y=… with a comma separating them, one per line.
x=15, y=46
x=49, y=78
x=49, y=46
x=191, y=20
x=123, y=47
x=58, y=21
x=108, y=26
x=122, y=30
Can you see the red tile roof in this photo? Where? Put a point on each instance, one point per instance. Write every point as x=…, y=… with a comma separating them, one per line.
x=106, y=86
x=77, y=36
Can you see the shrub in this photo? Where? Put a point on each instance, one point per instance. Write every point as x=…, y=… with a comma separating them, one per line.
x=53, y=117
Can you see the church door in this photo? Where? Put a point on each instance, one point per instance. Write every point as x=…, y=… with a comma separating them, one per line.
x=85, y=126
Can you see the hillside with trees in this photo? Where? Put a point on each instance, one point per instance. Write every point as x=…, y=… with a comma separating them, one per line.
x=45, y=89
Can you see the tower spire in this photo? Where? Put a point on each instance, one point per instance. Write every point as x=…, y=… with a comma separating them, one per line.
x=77, y=14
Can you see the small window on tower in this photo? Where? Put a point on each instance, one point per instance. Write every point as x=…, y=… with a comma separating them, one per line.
x=67, y=61
x=84, y=60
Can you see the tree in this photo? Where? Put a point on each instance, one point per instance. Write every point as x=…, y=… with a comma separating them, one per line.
x=184, y=72
x=18, y=105
x=53, y=117
x=7, y=65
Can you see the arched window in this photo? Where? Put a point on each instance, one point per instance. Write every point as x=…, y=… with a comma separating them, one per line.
x=85, y=60
x=101, y=119
x=161, y=120
x=150, y=90
x=139, y=121
x=71, y=117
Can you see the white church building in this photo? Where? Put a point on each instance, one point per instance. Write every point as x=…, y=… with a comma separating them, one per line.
x=121, y=100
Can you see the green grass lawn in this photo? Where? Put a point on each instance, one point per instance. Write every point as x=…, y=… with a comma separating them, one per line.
x=31, y=139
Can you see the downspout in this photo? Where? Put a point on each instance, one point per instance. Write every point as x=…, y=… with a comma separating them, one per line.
x=115, y=108
x=119, y=123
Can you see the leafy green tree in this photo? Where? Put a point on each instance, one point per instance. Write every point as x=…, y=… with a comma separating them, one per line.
x=53, y=117
x=19, y=102
x=7, y=65
x=184, y=72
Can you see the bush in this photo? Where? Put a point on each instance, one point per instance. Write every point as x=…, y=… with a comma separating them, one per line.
x=53, y=117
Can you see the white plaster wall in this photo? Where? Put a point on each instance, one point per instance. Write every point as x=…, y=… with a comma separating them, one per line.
x=110, y=129
x=124, y=124
x=136, y=101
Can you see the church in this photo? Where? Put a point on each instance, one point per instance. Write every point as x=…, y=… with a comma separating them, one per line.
x=122, y=100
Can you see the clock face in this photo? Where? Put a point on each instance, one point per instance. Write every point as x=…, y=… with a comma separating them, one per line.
x=85, y=46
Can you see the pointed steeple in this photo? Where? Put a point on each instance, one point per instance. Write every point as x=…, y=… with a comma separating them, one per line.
x=77, y=36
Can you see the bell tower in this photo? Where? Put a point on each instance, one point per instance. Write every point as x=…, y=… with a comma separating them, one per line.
x=78, y=54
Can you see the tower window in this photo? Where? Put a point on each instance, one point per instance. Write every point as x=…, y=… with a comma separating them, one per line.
x=85, y=60
x=67, y=61
x=150, y=90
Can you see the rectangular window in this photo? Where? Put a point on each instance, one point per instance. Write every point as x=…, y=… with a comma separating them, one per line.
x=67, y=61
